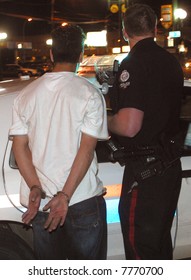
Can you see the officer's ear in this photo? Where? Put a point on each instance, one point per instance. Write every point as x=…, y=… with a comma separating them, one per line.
x=125, y=35
x=51, y=56
x=81, y=57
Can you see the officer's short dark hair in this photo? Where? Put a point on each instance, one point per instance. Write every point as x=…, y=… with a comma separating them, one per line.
x=139, y=19
x=67, y=43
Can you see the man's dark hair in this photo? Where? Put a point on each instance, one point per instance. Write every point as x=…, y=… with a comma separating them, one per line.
x=67, y=43
x=140, y=20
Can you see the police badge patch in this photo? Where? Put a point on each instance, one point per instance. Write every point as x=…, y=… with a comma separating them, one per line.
x=124, y=77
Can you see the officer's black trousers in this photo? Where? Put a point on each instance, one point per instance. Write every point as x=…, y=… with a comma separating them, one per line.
x=147, y=214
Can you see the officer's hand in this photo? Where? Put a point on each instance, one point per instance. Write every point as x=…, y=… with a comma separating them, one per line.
x=58, y=207
x=33, y=206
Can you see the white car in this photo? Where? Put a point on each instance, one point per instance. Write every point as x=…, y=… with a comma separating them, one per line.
x=16, y=71
x=16, y=239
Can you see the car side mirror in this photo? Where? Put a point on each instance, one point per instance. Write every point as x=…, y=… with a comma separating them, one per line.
x=115, y=66
x=12, y=161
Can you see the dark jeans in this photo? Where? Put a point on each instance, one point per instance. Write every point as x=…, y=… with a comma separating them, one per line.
x=147, y=213
x=83, y=236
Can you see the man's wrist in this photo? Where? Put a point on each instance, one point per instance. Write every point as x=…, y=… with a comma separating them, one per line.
x=65, y=195
x=43, y=194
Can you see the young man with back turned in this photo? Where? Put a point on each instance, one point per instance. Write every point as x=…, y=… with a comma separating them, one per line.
x=57, y=121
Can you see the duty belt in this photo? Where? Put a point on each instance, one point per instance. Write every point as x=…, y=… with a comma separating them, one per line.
x=147, y=161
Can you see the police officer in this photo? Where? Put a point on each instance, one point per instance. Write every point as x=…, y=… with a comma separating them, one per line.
x=146, y=101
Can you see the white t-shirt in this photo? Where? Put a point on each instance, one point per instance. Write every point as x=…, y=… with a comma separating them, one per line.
x=53, y=111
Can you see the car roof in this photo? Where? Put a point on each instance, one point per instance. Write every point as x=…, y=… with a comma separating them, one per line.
x=13, y=86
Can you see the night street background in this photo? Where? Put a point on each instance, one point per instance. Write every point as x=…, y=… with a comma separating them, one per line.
x=90, y=14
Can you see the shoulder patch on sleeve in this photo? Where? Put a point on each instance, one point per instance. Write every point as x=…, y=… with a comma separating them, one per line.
x=123, y=79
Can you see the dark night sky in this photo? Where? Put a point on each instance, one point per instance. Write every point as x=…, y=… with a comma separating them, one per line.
x=13, y=14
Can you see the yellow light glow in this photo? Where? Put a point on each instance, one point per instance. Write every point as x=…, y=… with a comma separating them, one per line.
x=64, y=23
x=114, y=8
x=187, y=65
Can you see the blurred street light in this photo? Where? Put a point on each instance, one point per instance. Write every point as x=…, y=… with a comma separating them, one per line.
x=179, y=17
x=3, y=36
x=49, y=42
x=180, y=14
x=23, y=43
x=24, y=26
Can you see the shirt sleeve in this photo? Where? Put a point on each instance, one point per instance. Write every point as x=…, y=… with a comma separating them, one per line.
x=19, y=126
x=95, y=120
x=133, y=86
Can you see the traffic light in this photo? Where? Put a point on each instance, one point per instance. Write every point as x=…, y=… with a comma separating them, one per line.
x=116, y=6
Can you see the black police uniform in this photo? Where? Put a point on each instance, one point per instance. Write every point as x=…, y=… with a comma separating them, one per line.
x=151, y=80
